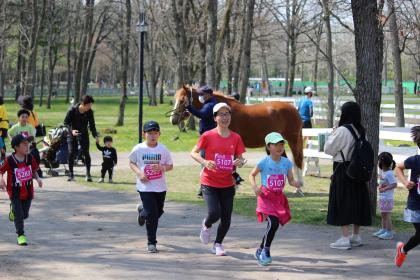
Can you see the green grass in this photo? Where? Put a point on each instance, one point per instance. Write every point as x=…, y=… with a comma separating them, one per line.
x=106, y=113
x=183, y=183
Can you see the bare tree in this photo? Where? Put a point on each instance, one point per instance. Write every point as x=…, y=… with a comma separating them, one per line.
x=246, y=56
x=369, y=53
x=125, y=50
x=211, y=43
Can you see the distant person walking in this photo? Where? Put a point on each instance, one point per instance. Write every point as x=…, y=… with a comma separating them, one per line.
x=305, y=108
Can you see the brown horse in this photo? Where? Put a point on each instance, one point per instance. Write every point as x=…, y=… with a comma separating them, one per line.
x=252, y=122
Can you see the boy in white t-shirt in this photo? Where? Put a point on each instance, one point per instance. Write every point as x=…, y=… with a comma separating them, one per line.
x=150, y=160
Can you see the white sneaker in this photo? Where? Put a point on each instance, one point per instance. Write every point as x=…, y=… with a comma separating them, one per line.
x=356, y=241
x=342, y=243
x=218, y=250
x=205, y=233
x=101, y=180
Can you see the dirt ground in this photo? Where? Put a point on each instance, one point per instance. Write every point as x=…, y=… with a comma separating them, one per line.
x=78, y=232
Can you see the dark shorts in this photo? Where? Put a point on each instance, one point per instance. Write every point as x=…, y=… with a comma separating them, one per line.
x=306, y=124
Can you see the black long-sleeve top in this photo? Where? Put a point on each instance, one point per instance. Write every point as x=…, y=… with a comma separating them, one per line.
x=109, y=155
x=78, y=121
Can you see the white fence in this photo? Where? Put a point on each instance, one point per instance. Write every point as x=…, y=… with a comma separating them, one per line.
x=411, y=111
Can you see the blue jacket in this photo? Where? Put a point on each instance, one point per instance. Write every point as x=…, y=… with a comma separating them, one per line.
x=205, y=114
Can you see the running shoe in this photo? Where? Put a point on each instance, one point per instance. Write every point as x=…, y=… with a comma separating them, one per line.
x=151, y=248
x=22, y=241
x=88, y=178
x=265, y=258
x=218, y=250
x=379, y=232
x=101, y=180
x=341, y=244
x=356, y=241
x=387, y=235
x=399, y=255
x=205, y=233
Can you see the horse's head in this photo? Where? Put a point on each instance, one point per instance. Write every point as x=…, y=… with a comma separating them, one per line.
x=182, y=96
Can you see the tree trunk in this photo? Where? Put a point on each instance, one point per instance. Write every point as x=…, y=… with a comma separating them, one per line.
x=125, y=50
x=79, y=72
x=329, y=52
x=181, y=41
x=162, y=83
x=69, y=68
x=36, y=23
x=292, y=67
x=369, y=55
x=385, y=71
x=264, y=68
x=246, y=56
x=222, y=40
x=238, y=61
x=317, y=46
x=211, y=43
x=396, y=57
x=41, y=96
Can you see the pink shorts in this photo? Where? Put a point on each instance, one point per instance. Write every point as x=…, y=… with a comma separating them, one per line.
x=386, y=205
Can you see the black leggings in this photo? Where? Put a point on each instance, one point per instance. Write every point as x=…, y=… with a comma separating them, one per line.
x=107, y=168
x=270, y=232
x=21, y=211
x=219, y=205
x=84, y=145
x=152, y=210
x=414, y=240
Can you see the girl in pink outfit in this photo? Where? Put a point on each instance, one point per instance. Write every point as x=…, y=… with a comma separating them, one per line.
x=272, y=204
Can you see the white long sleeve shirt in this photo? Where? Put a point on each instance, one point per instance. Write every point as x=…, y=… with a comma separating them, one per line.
x=341, y=139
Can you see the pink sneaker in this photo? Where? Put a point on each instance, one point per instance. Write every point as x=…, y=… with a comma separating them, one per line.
x=218, y=250
x=205, y=233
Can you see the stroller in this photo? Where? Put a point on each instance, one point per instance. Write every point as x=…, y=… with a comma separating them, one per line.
x=55, y=150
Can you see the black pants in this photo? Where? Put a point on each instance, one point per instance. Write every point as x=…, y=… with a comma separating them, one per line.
x=84, y=145
x=219, y=205
x=414, y=240
x=270, y=232
x=107, y=168
x=21, y=211
x=307, y=124
x=152, y=210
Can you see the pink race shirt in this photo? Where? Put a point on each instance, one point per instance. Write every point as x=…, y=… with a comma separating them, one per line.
x=222, y=151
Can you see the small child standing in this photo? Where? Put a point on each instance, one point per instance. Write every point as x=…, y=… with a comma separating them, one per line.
x=109, y=157
x=412, y=211
x=21, y=168
x=150, y=160
x=272, y=204
x=387, y=184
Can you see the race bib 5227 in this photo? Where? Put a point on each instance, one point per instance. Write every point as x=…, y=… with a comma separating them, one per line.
x=150, y=173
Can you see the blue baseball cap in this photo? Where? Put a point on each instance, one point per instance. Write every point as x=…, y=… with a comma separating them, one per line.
x=151, y=125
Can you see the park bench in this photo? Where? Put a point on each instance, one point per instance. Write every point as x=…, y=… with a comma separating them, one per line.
x=313, y=153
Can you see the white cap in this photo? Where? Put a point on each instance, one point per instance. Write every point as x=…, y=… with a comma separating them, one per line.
x=308, y=89
x=220, y=105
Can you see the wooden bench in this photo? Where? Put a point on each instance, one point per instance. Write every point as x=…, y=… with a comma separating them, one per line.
x=312, y=153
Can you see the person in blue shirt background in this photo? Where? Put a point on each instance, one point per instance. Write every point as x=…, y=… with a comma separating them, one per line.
x=305, y=108
x=205, y=114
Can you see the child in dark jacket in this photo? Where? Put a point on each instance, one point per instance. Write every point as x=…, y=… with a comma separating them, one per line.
x=109, y=157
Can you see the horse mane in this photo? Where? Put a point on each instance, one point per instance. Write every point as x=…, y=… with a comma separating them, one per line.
x=223, y=96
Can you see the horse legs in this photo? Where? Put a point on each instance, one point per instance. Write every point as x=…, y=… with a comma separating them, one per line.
x=296, y=145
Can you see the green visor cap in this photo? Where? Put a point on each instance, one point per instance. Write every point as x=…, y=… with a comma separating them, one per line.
x=274, y=138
